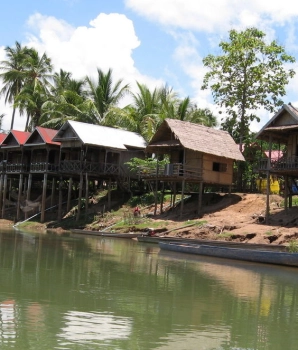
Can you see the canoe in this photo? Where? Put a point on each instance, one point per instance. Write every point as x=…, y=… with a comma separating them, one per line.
x=157, y=239
x=253, y=255
x=107, y=234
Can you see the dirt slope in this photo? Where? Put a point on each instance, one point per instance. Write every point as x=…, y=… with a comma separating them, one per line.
x=239, y=217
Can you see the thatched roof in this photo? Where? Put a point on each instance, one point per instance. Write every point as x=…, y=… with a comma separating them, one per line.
x=281, y=125
x=194, y=137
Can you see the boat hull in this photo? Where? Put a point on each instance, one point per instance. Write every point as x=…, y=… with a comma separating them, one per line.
x=253, y=255
x=156, y=240
x=106, y=234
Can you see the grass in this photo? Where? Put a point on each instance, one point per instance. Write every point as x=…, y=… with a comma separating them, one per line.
x=293, y=246
x=195, y=222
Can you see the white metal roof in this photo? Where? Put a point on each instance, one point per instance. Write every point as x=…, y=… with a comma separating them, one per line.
x=104, y=136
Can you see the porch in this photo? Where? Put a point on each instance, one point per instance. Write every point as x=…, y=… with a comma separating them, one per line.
x=171, y=172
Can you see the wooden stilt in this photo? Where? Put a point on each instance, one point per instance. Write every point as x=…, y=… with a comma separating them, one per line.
x=182, y=198
x=19, y=196
x=200, y=207
x=162, y=197
x=28, y=194
x=44, y=196
x=109, y=195
x=268, y=182
x=86, y=194
x=80, y=197
x=69, y=194
x=175, y=192
x=286, y=193
x=4, y=196
x=1, y=191
x=60, y=199
x=53, y=191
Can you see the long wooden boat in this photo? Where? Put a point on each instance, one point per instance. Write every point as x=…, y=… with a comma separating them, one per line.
x=253, y=255
x=107, y=234
x=157, y=239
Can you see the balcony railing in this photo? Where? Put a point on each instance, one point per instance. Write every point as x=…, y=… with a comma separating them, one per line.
x=70, y=166
x=43, y=167
x=174, y=170
x=283, y=164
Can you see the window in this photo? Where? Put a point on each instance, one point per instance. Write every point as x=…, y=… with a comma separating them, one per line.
x=221, y=167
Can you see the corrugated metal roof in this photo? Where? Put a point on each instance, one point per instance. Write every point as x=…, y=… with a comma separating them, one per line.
x=2, y=137
x=20, y=136
x=104, y=136
x=199, y=138
x=47, y=135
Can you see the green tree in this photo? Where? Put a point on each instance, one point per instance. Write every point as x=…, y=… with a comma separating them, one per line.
x=13, y=74
x=104, y=94
x=248, y=75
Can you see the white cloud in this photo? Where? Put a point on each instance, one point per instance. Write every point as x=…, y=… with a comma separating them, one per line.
x=108, y=42
x=214, y=15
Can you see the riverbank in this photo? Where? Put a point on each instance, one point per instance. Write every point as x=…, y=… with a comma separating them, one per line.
x=239, y=218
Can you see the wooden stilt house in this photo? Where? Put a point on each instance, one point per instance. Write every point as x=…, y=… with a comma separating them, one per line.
x=197, y=155
x=281, y=130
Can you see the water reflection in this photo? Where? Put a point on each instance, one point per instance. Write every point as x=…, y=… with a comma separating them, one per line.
x=92, y=326
x=70, y=292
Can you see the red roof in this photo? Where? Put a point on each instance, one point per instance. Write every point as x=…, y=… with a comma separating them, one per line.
x=2, y=137
x=48, y=135
x=20, y=136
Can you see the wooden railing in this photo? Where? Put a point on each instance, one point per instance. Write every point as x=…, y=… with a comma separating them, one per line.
x=41, y=167
x=289, y=163
x=15, y=168
x=173, y=170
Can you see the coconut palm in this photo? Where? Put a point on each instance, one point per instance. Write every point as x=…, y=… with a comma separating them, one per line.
x=13, y=74
x=36, y=86
x=104, y=94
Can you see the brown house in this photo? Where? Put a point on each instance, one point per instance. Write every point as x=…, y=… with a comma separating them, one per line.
x=197, y=154
x=282, y=130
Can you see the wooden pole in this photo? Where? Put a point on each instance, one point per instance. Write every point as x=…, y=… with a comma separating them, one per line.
x=1, y=191
x=60, y=199
x=200, y=207
x=80, y=196
x=4, y=196
x=53, y=191
x=182, y=197
x=286, y=193
x=19, y=196
x=86, y=194
x=268, y=182
x=28, y=194
x=44, y=195
x=109, y=194
x=69, y=194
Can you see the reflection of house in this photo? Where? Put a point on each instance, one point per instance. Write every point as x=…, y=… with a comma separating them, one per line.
x=62, y=161
x=282, y=129
x=197, y=155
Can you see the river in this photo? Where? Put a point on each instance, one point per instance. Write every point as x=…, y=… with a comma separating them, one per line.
x=81, y=292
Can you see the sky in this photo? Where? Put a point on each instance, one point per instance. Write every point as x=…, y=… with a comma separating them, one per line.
x=154, y=42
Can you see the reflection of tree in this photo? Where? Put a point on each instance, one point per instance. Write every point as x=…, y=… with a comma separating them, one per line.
x=60, y=276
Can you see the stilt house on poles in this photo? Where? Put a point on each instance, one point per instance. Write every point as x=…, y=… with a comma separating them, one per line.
x=198, y=156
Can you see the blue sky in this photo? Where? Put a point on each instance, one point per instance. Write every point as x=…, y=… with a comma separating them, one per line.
x=150, y=41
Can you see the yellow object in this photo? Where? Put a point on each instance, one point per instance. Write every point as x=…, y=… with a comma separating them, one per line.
x=262, y=185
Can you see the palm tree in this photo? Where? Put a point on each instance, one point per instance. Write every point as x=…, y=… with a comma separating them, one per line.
x=36, y=86
x=13, y=75
x=104, y=94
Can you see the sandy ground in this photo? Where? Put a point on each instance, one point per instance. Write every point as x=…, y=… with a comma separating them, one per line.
x=239, y=217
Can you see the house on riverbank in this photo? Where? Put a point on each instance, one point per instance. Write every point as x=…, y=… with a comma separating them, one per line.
x=61, y=165
x=197, y=156
x=281, y=130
